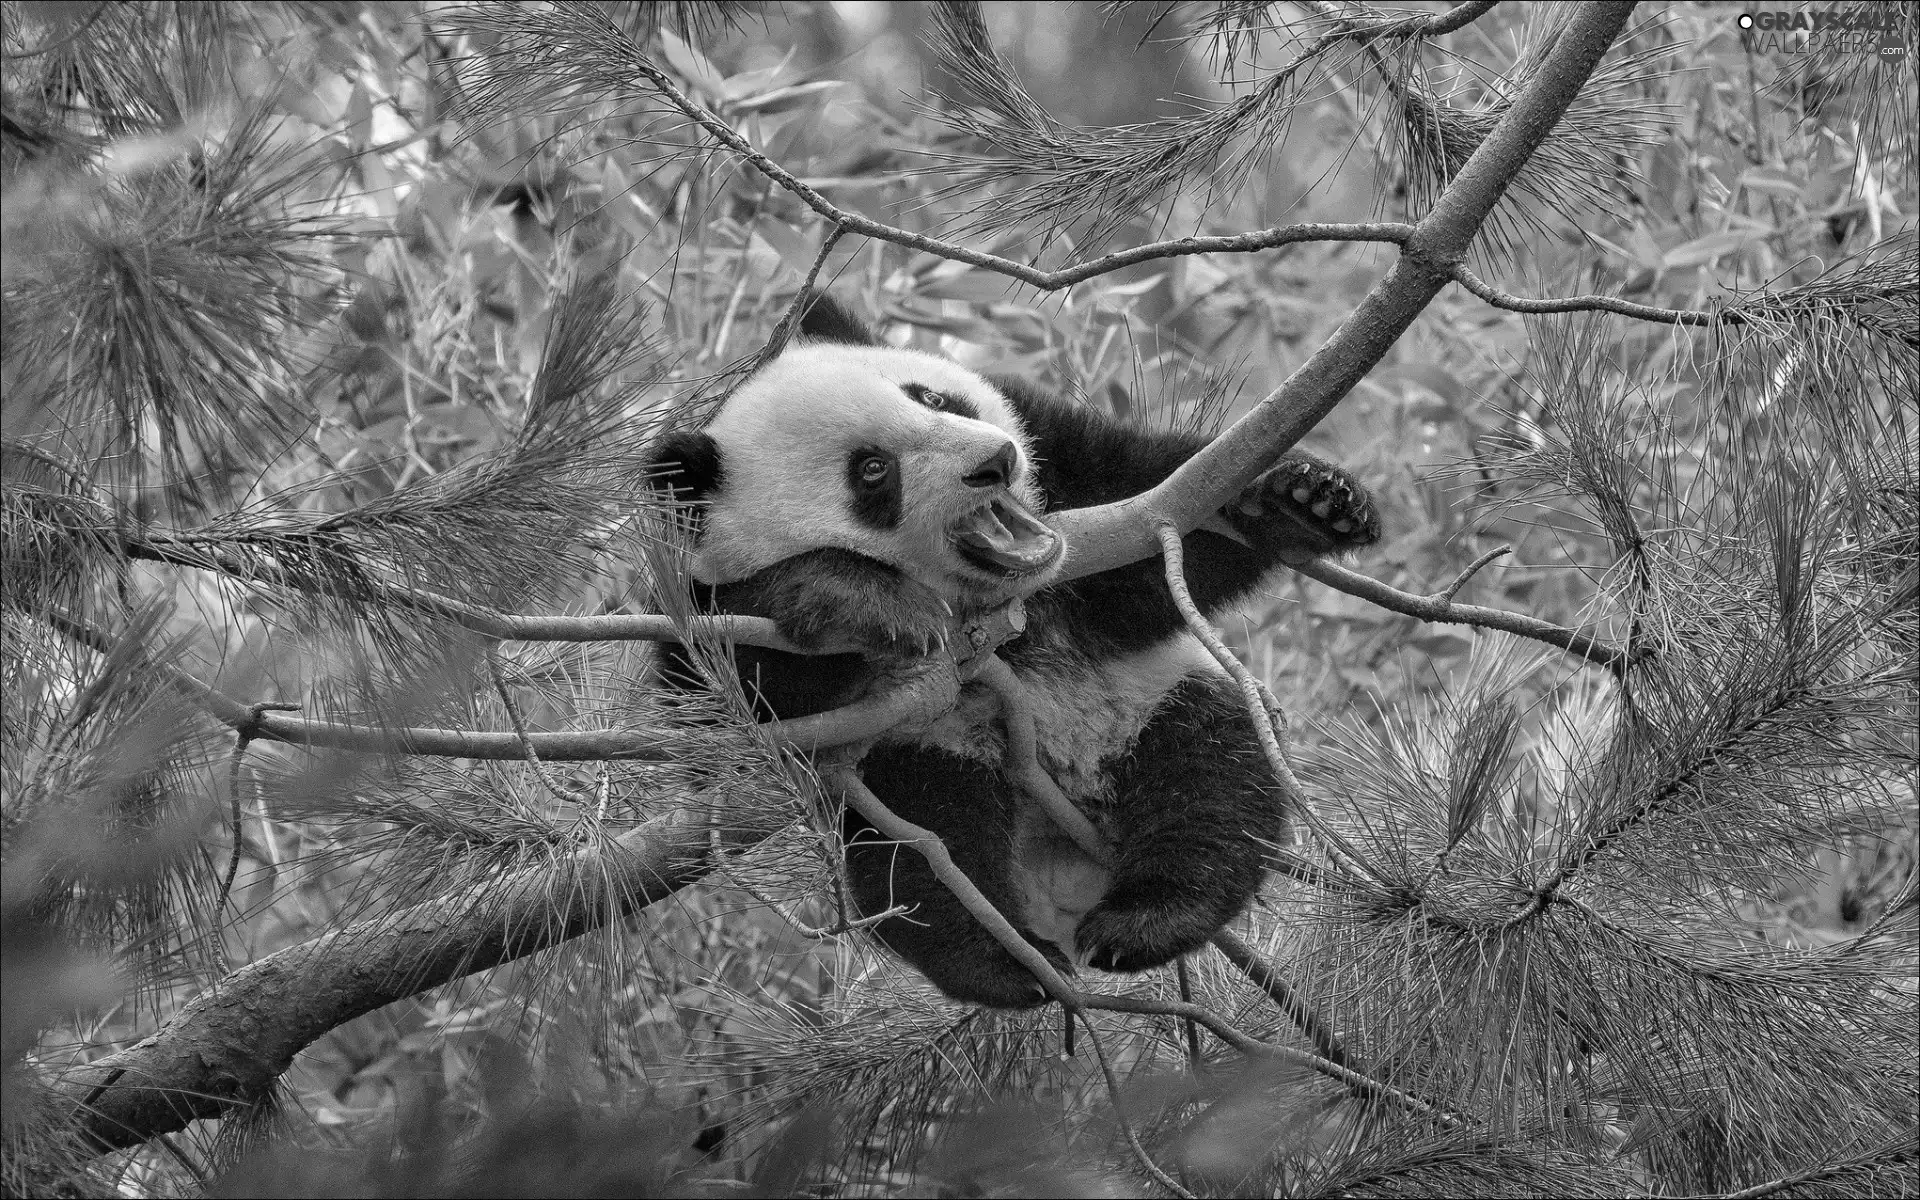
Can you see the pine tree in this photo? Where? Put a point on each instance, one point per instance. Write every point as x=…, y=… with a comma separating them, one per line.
x=332, y=337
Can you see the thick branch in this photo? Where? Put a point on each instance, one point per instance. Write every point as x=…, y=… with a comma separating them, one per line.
x=228, y=1044
x=1099, y=539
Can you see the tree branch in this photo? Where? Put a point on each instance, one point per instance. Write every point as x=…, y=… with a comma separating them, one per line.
x=936, y=686
x=928, y=845
x=506, y=627
x=1440, y=608
x=1264, y=976
x=1047, y=281
x=1465, y=277
x=227, y=1045
x=1099, y=539
x=1255, y=1048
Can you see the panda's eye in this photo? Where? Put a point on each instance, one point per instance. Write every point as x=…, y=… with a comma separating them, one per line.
x=874, y=471
x=921, y=394
x=940, y=402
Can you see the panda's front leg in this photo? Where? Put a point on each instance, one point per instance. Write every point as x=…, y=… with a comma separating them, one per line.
x=1303, y=505
x=1193, y=811
x=1297, y=508
x=832, y=597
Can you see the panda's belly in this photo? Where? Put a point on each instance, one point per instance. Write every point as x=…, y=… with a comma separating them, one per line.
x=1086, y=711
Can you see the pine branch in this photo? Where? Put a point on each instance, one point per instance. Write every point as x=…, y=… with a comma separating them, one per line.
x=208, y=552
x=1888, y=1169
x=1439, y=607
x=1111, y=535
x=227, y=1046
x=926, y=695
x=1058, y=176
x=928, y=845
x=627, y=66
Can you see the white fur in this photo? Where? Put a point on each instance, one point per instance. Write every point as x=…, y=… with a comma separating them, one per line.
x=1085, y=713
x=785, y=437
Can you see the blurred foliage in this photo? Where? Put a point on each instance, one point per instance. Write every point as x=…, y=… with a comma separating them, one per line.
x=338, y=296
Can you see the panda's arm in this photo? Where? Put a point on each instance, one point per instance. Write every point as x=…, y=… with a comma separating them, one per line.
x=1086, y=458
x=831, y=595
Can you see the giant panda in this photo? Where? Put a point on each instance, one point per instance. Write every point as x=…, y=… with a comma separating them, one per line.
x=864, y=495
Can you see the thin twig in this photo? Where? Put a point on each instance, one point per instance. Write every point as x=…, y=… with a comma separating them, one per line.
x=193, y=551
x=817, y=933
x=1021, y=761
x=1473, y=568
x=1046, y=281
x=1438, y=608
x=1464, y=276
x=1267, y=977
x=928, y=694
x=244, y=734
x=1126, y=1124
x=1250, y=693
x=1184, y=976
x=928, y=845
x=520, y=726
x=790, y=320
x=1254, y=1047
x=85, y=23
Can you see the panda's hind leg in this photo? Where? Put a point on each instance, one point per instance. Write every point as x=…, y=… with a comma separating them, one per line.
x=1193, y=812
x=973, y=812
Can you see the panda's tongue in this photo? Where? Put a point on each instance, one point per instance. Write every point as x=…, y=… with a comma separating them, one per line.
x=1006, y=537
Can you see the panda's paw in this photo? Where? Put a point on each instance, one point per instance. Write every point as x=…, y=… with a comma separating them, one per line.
x=895, y=622
x=1305, y=505
x=1119, y=936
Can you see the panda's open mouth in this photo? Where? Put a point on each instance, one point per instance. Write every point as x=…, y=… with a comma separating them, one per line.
x=1005, y=539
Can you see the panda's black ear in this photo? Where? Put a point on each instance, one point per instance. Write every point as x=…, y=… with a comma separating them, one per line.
x=686, y=465
x=827, y=320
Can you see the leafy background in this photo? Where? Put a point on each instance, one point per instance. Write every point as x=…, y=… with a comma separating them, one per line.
x=268, y=264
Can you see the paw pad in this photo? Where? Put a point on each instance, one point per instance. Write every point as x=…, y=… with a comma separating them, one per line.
x=1307, y=503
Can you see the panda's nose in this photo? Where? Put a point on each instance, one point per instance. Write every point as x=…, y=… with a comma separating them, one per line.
x=995, y=472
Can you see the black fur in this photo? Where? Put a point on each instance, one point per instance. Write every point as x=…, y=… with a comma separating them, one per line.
x=1191, y=806
x=875, y=503
x=817, y=598
x=972, y=809
x=1191, y=812
x=827, y=320
x=687, y=466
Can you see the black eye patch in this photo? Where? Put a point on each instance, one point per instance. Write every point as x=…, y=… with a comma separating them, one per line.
x=873, y=486
x=923, y=395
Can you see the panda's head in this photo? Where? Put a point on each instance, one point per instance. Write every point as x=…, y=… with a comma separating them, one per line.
x=843, y=442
